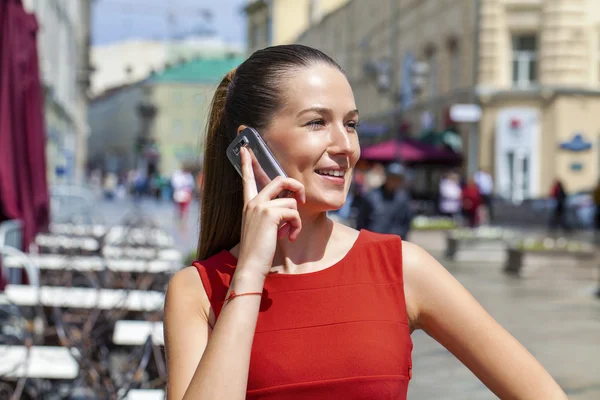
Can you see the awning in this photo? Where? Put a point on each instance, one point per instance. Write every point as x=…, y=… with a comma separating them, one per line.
x=409, y=151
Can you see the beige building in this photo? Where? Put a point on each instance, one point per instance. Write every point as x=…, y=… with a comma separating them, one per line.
x=179, y=99
x=533, y=66
x=272, y=22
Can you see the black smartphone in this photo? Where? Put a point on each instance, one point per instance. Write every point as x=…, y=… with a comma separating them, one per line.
x=264, y=164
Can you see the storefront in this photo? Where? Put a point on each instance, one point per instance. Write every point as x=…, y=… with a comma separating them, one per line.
x=516, y=153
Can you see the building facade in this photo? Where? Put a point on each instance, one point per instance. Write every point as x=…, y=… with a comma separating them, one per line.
x=273, y=22
x=532, y=66
x=64, y=42
x=126, y=62
x=167, y=112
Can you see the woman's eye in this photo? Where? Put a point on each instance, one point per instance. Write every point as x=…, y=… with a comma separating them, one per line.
x=352, y=125
x=316, y=124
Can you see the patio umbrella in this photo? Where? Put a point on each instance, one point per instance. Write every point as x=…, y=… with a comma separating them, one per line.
x=23, y=186
x=409, y=151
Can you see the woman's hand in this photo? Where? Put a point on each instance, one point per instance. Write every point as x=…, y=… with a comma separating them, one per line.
x=263, y=217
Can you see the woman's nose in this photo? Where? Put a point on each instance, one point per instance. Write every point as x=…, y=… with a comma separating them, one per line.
x=341, y=141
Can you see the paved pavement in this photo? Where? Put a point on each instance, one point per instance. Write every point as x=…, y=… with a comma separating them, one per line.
x=551, y=310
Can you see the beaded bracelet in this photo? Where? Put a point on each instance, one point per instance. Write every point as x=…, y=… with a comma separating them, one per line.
x=233, y=295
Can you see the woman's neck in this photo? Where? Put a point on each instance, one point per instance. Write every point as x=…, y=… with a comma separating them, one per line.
x=308, y=248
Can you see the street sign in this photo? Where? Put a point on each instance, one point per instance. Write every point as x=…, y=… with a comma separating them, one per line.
x=465, y=113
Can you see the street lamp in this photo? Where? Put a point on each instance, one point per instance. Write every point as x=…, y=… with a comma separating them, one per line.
x=144, y=142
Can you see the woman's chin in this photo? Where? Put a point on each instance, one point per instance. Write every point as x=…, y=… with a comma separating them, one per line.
x=326, y=204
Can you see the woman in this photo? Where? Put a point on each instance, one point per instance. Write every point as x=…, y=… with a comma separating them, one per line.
x=313, y=310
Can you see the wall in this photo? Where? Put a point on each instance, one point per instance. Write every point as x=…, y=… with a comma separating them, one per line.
x=114, y=124
x=181, y=121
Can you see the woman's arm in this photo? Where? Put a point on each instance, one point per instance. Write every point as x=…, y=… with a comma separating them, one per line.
x=442, y=307
x=205, y=363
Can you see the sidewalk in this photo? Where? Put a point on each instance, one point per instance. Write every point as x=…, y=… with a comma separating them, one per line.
x=551, y=310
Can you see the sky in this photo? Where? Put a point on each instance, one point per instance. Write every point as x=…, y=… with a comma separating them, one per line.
x=116, y=20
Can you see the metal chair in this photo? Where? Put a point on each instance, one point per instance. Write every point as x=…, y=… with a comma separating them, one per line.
x=11, y=234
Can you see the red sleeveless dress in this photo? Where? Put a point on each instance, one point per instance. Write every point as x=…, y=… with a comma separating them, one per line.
x=339, y=333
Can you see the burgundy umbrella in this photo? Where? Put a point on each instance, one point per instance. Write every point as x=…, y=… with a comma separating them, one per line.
x=409, y=151
x=23, y=186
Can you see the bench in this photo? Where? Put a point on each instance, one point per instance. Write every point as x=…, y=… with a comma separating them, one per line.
x=455, y=238
x=42, y=362
x=145, y=394
x=515, y=254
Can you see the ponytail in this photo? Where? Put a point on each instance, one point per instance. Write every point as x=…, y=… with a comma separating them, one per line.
x=222, y=196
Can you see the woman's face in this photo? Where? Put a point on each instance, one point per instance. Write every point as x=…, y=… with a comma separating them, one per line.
x=314, y=135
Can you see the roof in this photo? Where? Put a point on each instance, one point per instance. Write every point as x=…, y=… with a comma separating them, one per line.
x=114, y=90
x=198, y=70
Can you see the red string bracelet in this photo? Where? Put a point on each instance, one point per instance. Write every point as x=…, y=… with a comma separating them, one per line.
x=233, y=295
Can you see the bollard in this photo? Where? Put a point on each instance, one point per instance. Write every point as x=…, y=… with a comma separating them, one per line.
x=451, y=247
x=514, y=262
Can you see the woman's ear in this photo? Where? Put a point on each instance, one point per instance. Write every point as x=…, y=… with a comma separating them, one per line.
x=241, y=128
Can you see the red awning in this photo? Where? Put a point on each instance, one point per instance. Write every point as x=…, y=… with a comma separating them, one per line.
x=409, y=151
x=23, y=186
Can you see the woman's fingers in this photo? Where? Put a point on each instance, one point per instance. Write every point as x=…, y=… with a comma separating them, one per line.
x=278, y=185
x=250, y=189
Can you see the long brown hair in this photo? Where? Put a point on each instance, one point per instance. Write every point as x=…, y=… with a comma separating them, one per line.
x=249, y=95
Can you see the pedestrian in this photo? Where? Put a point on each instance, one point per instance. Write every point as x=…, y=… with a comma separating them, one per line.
x=450, y=194
x=485, y=183
x=596, y=199
x=182, y=182
x=558, y=217
x=287, y=304
x=471, y=203
x=386, y=209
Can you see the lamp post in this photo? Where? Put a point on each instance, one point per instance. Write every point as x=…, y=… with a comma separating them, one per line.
x=147, y=112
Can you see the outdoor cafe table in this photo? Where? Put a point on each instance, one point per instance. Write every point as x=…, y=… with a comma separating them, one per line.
x=135, y=333
x=42, y=362
x=59, y=262
x=83, y=298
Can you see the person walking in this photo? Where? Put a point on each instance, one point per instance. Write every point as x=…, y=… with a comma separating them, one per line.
x=285, y=303
x=558, y=218
x=485, y=183
x=450, y=194
x=386, y=209
x=471, y=203
x=182, y=183
x=596, y=199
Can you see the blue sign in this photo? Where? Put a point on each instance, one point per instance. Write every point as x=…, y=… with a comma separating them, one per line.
x=576, y=144
x=576, y=166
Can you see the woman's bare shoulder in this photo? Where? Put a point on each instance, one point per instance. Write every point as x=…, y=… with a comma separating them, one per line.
x=185, y=288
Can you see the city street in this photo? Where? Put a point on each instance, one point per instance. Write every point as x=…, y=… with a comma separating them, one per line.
x=551, y=310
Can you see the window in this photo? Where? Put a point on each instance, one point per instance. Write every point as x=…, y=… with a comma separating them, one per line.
x=196, y=126
x=177, y=127
x=454, y=70
x=313, y=11
x=254, y=36
x=176, y=97
x=433, y=75
x=524, y=63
